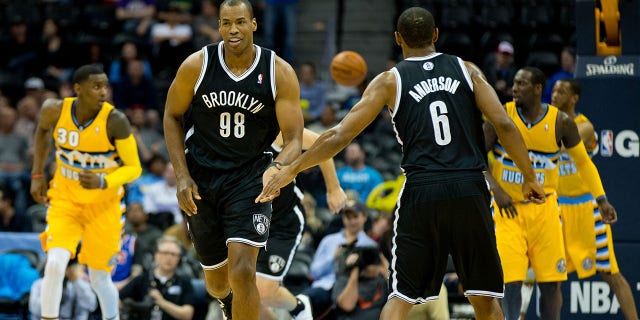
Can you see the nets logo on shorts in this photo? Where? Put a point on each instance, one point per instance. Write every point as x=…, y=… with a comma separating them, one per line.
x=587, y=264
x=260, y=223
x=276, y=263
x=561, y=266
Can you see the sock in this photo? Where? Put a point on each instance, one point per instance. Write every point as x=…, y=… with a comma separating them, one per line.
x=106, y=292
x=227, y=300
x=299, y=307
x=57, y=260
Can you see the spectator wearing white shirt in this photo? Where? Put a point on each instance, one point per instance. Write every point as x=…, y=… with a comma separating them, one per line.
x=159, y=200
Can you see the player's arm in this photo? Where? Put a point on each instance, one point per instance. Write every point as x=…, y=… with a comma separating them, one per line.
x=119, y=131
x=49, y=115
x=587, y=134
x=380, y=92
x=288, y=112
x=179, y=98
x=336, y=197
x=510, y=138
x=570, y=138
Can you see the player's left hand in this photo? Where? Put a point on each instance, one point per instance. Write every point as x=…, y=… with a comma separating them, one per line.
x=89, y=180
x=607, y=211
x=274, y=178
x=336, y=199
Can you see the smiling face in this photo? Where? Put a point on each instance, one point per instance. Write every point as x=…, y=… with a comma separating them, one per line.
x=237, y=26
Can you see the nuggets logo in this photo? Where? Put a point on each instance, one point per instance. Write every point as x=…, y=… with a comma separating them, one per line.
x=276, y=263
x=260, y=223
x=587, y=264
x=561, y=266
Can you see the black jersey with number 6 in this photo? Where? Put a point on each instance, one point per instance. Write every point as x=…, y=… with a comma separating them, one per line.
x=232, y=118
x=435, y=116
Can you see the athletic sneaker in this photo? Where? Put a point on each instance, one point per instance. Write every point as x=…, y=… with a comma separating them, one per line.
x=306, y=313
x=226, y=309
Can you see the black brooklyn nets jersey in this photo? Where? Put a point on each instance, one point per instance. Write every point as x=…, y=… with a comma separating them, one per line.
x=232, y=119
x=435, y=116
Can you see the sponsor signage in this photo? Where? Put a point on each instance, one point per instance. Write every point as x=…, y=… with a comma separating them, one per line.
x=607, y=66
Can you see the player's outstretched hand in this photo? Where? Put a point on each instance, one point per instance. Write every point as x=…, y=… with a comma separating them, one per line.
x=187, y=190
x=336, y=199
x=272, y=182
x=607, y=211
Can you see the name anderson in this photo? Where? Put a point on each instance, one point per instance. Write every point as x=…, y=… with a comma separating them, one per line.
x=423, y=88
x=232, y=99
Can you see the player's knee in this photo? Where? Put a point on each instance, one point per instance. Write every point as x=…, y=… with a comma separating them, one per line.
x=99, y=278
x=57, y=260
x=217, y=289
x=242, y=273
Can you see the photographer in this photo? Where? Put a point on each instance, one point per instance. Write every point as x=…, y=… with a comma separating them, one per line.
x=361, y=288
x=161, y=293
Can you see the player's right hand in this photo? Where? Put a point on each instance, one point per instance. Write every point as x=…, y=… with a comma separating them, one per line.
x=505, y=204
x=187, y=190
x=532, y=191
x=39, y=190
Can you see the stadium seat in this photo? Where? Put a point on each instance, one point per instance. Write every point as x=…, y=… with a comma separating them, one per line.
x=546, y=61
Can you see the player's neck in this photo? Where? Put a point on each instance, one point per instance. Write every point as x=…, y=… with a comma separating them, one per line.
x=239, y=63
x=532, y=111
x=418, y=52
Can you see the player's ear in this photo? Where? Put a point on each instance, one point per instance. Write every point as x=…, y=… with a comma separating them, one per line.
x=398, y=37
x=436, y=32
x=254, y=24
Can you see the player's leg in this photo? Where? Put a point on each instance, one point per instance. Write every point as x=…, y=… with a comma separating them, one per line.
x=550, y=300
x=622, y=290
x=486, y=307
x=395, y=308
x=512, y=301
x=60, y=241
x=242, y=278
x=100, y=247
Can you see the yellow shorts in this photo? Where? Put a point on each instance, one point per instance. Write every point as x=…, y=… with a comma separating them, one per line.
x=97, y=225
x=533, y=237
x=588, y=241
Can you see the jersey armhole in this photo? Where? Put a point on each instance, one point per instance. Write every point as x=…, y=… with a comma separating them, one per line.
x=396, y=105
x=272, y=76
x=466, y=73
x=205, y=62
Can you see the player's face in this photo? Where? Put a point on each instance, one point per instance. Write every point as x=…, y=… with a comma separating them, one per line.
x=237, y=27
x=523, y=89
x=562, y=95
x=94, y=90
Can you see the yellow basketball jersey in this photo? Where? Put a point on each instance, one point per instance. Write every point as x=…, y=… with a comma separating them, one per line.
x=540, y=139
x=570, y=183
x=82, y=147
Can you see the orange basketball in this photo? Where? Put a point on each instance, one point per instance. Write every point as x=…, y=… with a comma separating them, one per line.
x=348, y=68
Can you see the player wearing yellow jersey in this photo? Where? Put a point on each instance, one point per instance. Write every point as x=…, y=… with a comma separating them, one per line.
x=95, y=156
x=527, y=233
x=588, y=240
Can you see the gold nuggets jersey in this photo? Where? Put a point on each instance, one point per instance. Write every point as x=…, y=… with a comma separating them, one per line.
x=540, y=139
x=570, y=183
x=82, y=147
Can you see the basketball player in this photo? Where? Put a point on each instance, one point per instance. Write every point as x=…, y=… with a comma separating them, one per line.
x=584, y=231
x=95, y=155
x=529, y=234
x=239, y=96
x=285, y=234
x=437, y=101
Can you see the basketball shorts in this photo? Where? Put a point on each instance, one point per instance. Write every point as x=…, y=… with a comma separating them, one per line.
x=533, y=237
x=588, y=241
x=97, y=225
x=435, y=218
x=227, y=211
x=285, y=235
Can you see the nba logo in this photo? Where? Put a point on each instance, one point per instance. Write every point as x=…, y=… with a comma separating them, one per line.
x=260, y=77
x=606, y=143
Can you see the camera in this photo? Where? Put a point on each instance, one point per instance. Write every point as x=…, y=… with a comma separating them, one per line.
x=366, y=256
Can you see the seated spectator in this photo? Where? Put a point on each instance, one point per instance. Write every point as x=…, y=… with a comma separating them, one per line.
x=358, y=176
x=332, y=246
x=136, y=16
x=10, y=220
x=361, y=287
x=156, y=166
x=55, y=53
x=150, y=141
x=136, y=89
x=128, y=265
x=205, y=25
x=119, y=68
x=146, y=235
x=13, y=160
x=17, y=274
x=28, y=108
x=313, y=95
x=568, y=64
x=328, y=119
x=160, y=201
x=172, y=42
x=160, y=293
x=500, y=70
x=78, y=299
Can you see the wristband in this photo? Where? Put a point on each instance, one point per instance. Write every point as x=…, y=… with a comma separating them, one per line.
x=37, y=176
x=101, y=182
x=274, y=164
x=603, y=197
